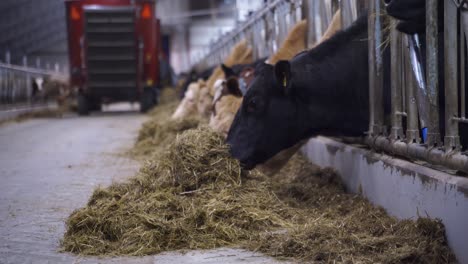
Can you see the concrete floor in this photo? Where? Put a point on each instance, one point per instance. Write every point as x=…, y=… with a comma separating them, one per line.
x=49, y=167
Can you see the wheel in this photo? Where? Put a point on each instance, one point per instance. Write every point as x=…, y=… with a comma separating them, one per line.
x=147, y=99
x=83, y=108
x=95, y=104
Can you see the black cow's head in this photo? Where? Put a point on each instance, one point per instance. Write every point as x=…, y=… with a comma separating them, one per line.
x=267, y=120
x=412, y=14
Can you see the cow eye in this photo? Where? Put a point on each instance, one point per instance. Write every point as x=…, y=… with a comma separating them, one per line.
x=252, y=105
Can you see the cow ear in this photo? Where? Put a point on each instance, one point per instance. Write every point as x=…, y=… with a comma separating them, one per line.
x=232, y=85
x=283, y=74
x=227, y=71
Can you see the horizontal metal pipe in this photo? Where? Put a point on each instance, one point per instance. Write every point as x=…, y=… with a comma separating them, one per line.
x=460, y=119
x=10, y=67
x=452, y=160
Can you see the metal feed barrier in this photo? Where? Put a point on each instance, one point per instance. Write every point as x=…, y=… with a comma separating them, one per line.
x=415, y=88
x=16, y=84
x=414, y=83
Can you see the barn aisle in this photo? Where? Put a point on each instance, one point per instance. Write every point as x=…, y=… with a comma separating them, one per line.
x=49, y=167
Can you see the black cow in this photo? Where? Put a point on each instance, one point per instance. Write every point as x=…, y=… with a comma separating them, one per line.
x=321, y=91
x=412, y=14
x=193, y=76
x=236, y=69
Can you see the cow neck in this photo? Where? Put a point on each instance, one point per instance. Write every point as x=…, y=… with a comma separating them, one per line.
x=332, y=80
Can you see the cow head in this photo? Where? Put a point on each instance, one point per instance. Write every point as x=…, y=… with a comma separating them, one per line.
x=267, y=121
x=188, y=105
x=411, y=13
x=224, y=88
x=204, y=100
x=228, y=71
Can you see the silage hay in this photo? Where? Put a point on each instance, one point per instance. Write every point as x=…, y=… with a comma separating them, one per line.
x=168, y=95
x=160, y=130
x=195, y=196
x=346, y=228
x=157, y=133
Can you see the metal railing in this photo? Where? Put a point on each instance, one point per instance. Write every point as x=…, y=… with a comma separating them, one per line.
x=16, y=83
x=265, y=31
x=415, y=89
x=415, y=108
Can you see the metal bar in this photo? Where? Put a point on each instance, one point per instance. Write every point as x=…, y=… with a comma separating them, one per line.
x=308, y=11
x=25, y=69
x=281, y=24
x=294, y=11
x=463, y=63
x=269, y=31
x=396, y=84
x=432, y=72
x=403, y=63
x=412, y=132
x=451, y=140
x=376, y=117
x=461, y=119
x=318, y=19
x=456, y=161
x=419, y=79
x=349, y=11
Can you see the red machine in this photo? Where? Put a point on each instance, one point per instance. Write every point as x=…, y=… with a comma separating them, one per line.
x=113, y=50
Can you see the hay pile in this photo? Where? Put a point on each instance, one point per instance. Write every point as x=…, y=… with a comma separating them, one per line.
x=346, y=228
x=168, y=95
x=195, y=196
x=160, y=130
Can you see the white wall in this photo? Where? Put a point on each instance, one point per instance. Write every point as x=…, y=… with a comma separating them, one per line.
x=203, y=32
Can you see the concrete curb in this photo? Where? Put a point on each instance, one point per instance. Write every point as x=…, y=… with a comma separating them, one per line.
x=404, y=189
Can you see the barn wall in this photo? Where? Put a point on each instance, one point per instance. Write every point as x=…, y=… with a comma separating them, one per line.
x=404, y=189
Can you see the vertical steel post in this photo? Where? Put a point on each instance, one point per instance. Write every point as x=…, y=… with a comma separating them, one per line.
x=298, y=4
x=404, y=84
x=422, y=99
x=463, y=62
x=325, y=15
x=432, y=69
x=335, y=5
x=376, y=118
x=396, y=84
x=451, y=140
x=412, y=132
x=281, y=25
x=7, y=57
x=349, y=11
x=293, y=13
x=269, y=31
x=318, y=19
x=308, y=12
x=261, y=38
